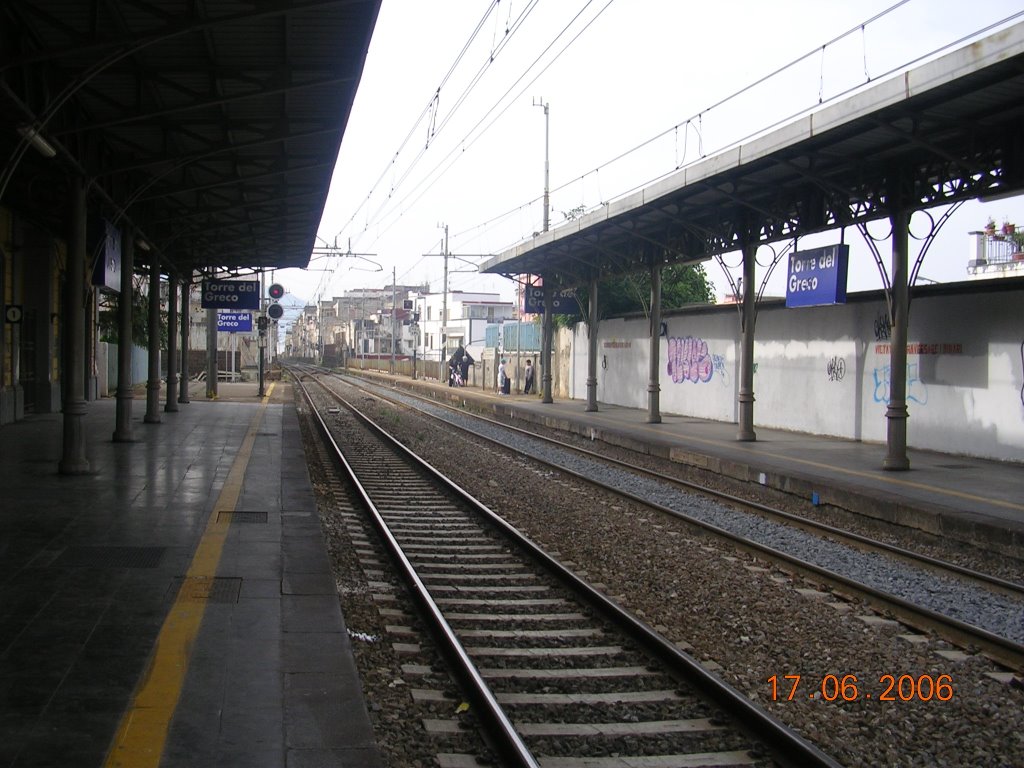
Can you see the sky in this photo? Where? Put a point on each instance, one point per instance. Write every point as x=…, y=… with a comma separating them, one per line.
x=449, y=133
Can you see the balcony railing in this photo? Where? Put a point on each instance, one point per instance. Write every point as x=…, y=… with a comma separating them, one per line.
x=995, y=249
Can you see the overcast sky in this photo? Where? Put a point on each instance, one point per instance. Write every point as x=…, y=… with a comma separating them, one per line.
x=445, y=129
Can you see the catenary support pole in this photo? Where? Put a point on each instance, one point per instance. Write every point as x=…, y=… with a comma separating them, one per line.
x=74, y=460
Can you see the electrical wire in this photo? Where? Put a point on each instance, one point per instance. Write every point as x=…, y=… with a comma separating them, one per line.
x=460, y=100
x=470, y=138
x=426, y=111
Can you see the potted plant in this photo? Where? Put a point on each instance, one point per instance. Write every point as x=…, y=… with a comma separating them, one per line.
x=1008, y=228
x=990, y=226
x=1017, y=238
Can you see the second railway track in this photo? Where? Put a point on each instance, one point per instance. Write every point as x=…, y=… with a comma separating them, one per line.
x=1004, y=597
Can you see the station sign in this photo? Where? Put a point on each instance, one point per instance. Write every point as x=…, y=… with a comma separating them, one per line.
x=231, y=294
x=562, y=302
x=818, y=276
x=106, y=269
x=234, y=322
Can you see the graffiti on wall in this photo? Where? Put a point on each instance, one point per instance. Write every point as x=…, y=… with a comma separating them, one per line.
x=718, y=363
x=688, y=360
x=917, y=390
x=836, y=369
x=883, y=327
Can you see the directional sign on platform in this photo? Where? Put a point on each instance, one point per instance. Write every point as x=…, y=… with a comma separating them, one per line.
x=234, y=322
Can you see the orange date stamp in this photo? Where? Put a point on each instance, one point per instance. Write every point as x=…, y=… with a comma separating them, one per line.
x=850, y=688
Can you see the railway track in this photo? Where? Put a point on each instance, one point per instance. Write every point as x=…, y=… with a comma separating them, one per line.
x=557, y=673
x=1006, y=652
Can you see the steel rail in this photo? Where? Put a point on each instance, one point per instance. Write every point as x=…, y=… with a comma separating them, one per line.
x=989, y=580
x=509, y=742
x=999, y=649
x=785, y=745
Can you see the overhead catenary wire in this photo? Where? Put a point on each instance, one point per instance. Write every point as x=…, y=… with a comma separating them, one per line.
x=460, y=100
x=388, y=218
x=689, y=123
x=426, y=111
x=469, y=139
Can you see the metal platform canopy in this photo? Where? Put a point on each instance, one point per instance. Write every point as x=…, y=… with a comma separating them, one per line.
x=946, y=131
x=205, y=132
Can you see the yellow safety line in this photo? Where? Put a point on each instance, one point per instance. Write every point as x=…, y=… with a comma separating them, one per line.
x=140, y=738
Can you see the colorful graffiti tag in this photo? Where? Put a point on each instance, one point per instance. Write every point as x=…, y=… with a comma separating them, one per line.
x=688, y=360
x=917, y=390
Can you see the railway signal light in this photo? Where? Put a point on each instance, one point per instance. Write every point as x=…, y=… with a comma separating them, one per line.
x=276, y=291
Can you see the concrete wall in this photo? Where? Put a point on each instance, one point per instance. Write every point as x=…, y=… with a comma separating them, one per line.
x=825, y=370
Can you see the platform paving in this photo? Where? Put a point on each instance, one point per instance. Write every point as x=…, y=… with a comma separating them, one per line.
x=92, y=567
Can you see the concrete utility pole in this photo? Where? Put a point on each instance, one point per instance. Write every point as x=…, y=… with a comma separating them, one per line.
x=444, y=311
x=547, y=169
x=394, y=315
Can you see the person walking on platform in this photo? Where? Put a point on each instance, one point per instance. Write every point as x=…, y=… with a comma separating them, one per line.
x=528, y=377
x=467, y=360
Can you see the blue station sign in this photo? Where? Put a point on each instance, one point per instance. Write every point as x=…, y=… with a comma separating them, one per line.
x=231, y=294
x=234, y=322
x=818, y=276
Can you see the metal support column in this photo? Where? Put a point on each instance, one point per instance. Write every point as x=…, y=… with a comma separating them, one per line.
x=746, y=394
x=545, y=344
x=211, y=354
x=896, y=414
x=153, y=385
x=74, y=460
x=171, y=405
x=654, y=382
x=592, y=352
x=186, y=292
x=125, y=341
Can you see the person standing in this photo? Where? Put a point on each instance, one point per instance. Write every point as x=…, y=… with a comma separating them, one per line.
x=502, y=378
x=528, y=376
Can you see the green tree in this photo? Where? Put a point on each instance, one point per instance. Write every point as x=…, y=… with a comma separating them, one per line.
x=680, y=285
x=109, y=324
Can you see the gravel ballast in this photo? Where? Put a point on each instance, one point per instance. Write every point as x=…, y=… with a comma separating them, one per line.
x=750, y=621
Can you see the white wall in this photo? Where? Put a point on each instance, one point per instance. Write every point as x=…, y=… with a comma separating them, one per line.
x=824, y=370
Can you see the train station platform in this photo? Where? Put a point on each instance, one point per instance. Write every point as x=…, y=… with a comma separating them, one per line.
x=175, y=607
x=967, y=499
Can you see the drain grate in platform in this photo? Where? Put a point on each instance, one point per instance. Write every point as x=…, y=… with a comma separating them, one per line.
x=109, y=557
x=241, y=517
x=219, y=589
